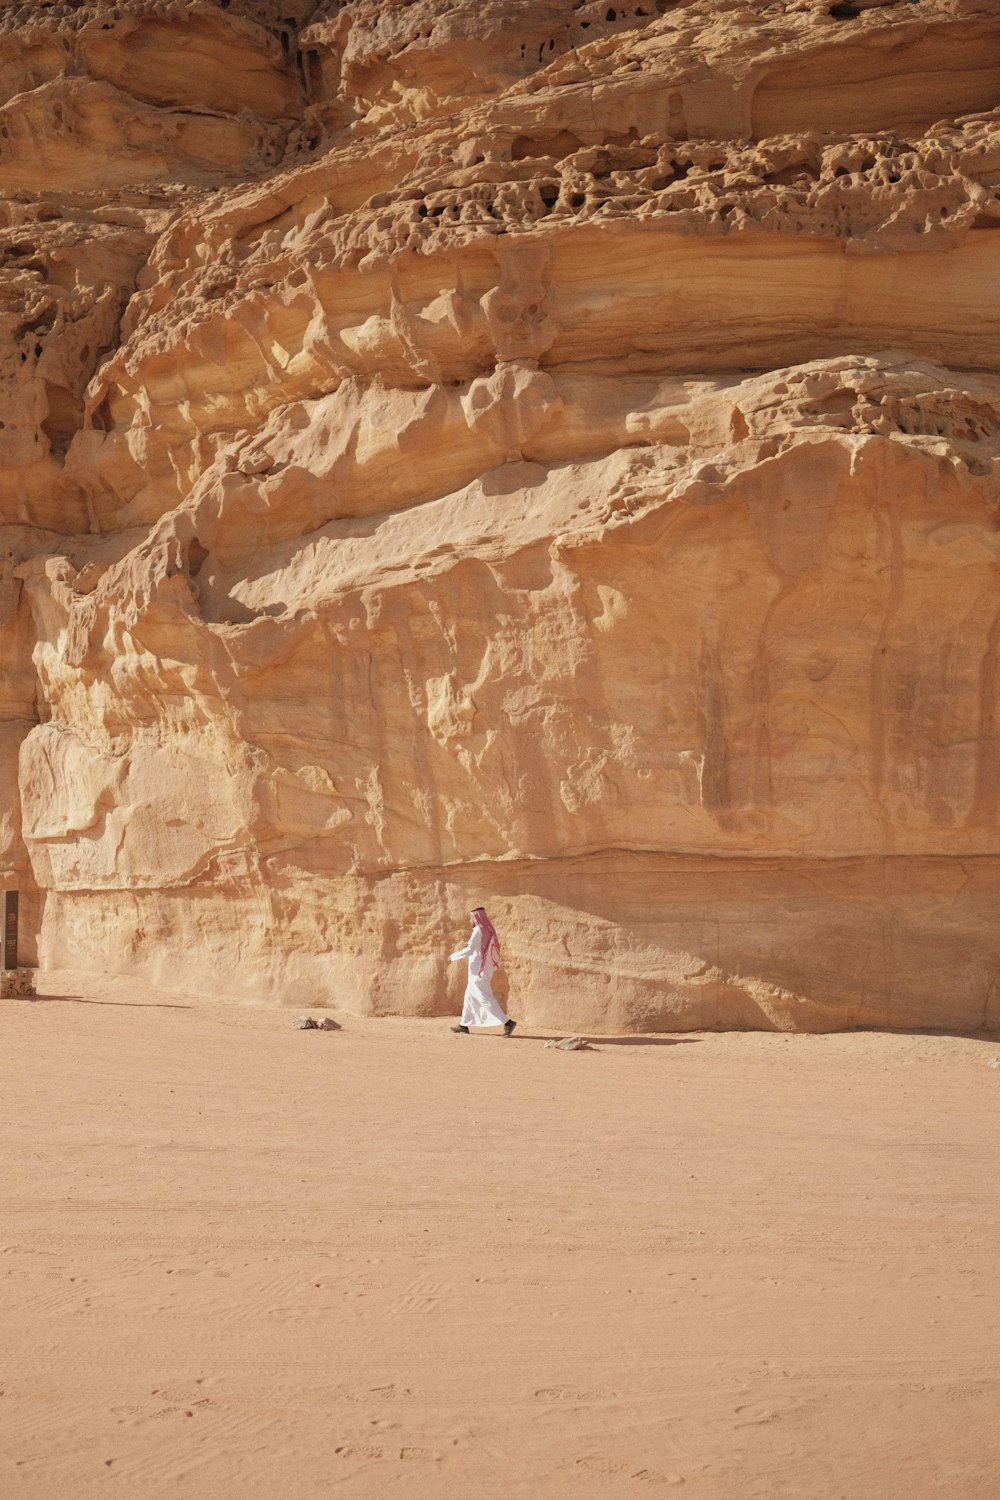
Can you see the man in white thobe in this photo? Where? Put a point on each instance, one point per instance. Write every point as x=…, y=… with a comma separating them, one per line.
x=481, y=1007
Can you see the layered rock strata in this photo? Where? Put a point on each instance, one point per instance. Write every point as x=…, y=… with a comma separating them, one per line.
x=541, y=456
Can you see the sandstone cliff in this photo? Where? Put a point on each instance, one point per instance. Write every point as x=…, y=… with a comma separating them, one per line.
x=544, y=455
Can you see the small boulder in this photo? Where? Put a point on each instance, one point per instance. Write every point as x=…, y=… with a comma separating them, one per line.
x=306, y=1023
x=568, y=1043
x=327, y=1023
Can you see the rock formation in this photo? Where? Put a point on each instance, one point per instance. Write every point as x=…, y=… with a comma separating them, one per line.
x=534, y=454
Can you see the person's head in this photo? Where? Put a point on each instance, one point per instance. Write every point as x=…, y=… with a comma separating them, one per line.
x=491, y=943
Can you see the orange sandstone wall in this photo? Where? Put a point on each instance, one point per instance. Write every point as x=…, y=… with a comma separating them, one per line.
x=536, y=454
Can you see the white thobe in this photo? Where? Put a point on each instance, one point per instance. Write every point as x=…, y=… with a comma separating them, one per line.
x=481, y=1006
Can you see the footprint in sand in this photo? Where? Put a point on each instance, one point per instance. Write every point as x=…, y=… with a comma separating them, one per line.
x=755, y=1416
x=600, y=1465
x=608, y=1466
x=178, y=1396
x=358, y=1450
x=567, y=1393
x=371, y=1452
x=421, y=1295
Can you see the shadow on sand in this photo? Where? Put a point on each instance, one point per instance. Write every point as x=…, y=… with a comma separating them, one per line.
x=642, y=1041
x=82, y=1000
x=606, y=1041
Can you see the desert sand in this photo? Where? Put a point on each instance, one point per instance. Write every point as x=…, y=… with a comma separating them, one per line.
x=241, y=1260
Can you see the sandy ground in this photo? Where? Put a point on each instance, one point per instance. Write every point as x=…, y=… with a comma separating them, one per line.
x=240, y=1260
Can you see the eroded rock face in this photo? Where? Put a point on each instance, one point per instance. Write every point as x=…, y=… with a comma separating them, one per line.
x=536, y=455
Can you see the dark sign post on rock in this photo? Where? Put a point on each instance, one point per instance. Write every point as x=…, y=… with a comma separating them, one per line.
x=10, y=929
x=15, y=982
